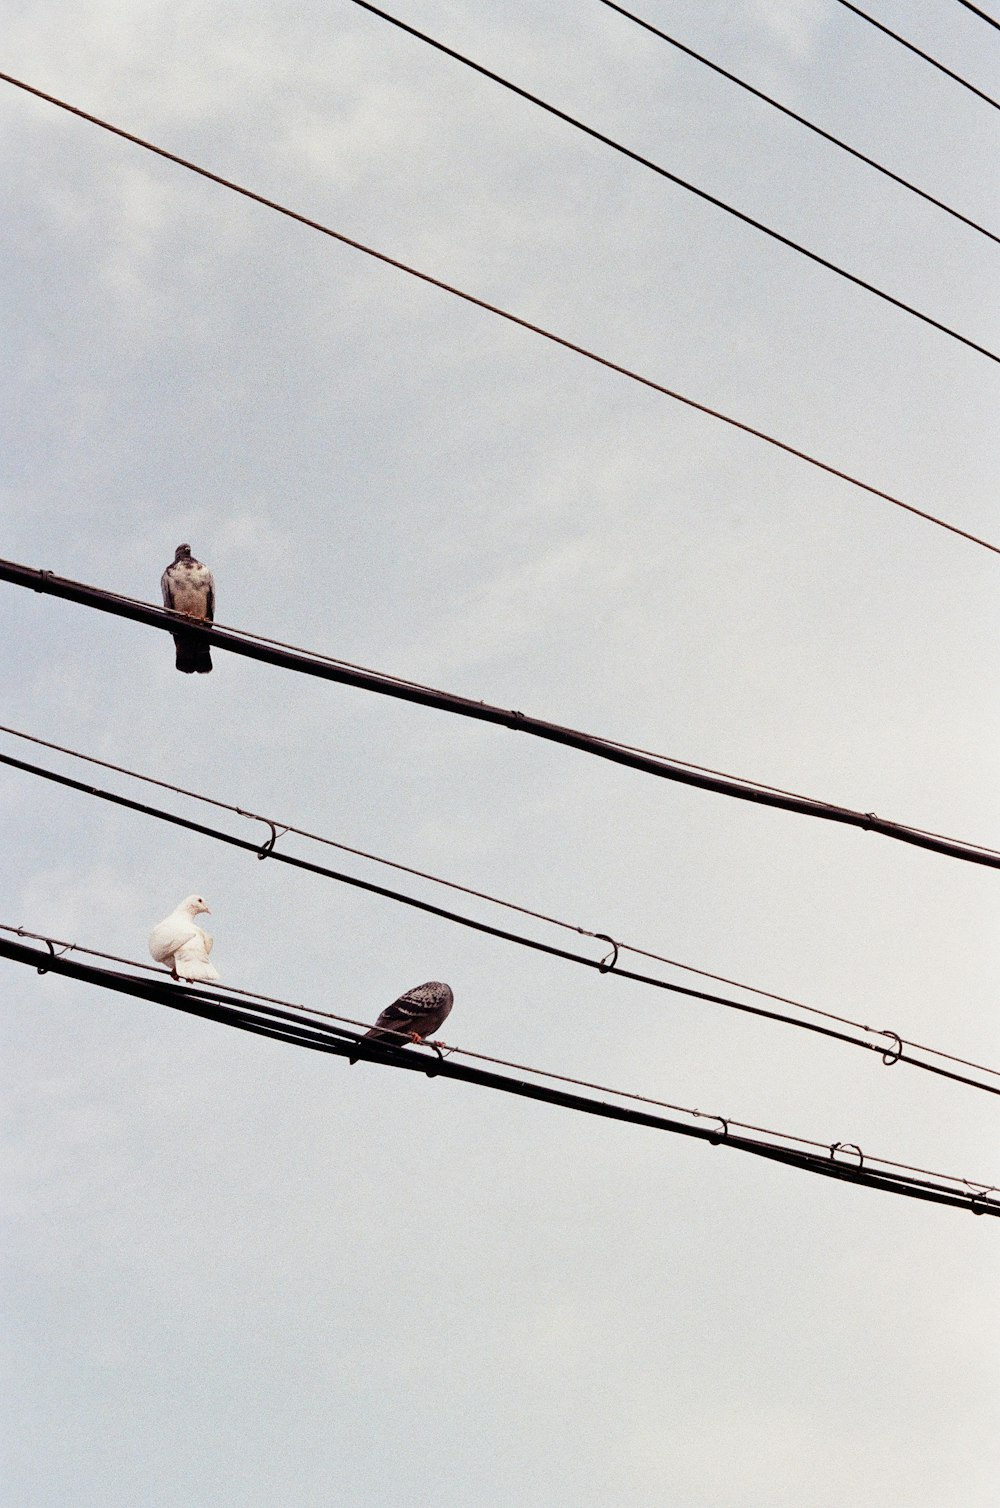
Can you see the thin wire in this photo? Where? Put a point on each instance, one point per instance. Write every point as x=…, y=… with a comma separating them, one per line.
x=983, y=15
x=505, y=314
x=482, y=895
x=919, y=52
x=306, y=664
x=290, y=1024
x=889, y=1056
x=674, y=178
x=801, y=119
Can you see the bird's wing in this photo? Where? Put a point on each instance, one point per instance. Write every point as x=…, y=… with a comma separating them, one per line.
x=166, y=587
x=424, y=1000
x=191, y=958
x=210, y=599
x=170, y=934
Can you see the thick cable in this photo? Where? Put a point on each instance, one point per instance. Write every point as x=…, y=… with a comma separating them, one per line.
x=911, y=47
x=505, y=314
x=623, y=754
x=677, y=181
x=904, y=1054
x=493, y=900
x=800, y=119
x=297, y=1029
x=983, y=15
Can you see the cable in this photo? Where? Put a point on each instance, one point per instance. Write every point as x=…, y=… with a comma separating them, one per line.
x=679, y=182
x=292, y=1025
x=890, y=1055
x=514, y=319
x=623, y=754
x=983, y=15
x=919, y=52
x=801, y=119
x=617, y=945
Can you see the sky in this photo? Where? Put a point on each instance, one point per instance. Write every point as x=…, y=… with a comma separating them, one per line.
x=244, y=1275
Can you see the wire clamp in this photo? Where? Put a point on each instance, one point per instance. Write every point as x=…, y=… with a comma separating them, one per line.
x=437, y=1047
x=980, y=1198
x=608, y=962
x=715, y=1137
x=893, y=1054
x=268, y=848
x=847, y=1146
x=871, y=820
x=43, y=968
x=516, y=719
x=41, y=579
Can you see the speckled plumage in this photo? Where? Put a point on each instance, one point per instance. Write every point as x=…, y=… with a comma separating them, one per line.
x=414, y=1015
x=188, y=588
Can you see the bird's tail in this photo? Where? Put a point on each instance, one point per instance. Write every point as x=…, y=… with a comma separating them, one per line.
x=194, y=655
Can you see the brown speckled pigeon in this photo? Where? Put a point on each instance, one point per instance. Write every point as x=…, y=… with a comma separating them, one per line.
x=188, y=588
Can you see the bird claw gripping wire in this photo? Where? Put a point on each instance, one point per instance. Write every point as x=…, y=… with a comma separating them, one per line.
x=608, y=962
x=847, y=1146
x=893, y=1054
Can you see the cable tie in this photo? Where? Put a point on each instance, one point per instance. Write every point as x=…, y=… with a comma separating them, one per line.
x=893, y=1055
x=847, y=1146
x=41, y=578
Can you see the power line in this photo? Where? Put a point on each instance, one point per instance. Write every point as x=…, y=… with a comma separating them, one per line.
x=801, y=119
x=514, y=319
x=444, y=701
x=919, y=52
x=617, y=944
x=899, y=1051
x=292, y=1025
x=983, y=15
x=679, y=182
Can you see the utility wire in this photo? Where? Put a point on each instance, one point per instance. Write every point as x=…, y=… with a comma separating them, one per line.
x=616, y=944
x=385, y=685
x=442, y=1049
x=514, y=319
x=801, y=119
x=894, y=1050
x=679, y=182
x=983, y=15
x=293, y=1026
x=919, y=52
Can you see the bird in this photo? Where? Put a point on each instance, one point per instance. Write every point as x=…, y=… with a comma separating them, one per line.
x=413, y=1016
x=180, y=942
x=188, y=588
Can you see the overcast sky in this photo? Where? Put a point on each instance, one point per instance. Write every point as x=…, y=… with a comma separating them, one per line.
x=245, y=1275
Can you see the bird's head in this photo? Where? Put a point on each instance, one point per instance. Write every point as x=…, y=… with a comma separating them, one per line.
x=183, y=552
x=194, y=904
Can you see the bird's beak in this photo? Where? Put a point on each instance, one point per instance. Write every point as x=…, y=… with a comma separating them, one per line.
x=207, y=910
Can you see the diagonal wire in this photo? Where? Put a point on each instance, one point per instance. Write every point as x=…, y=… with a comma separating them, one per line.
x=890, y=1055
x=493, y=900
x=800, y=119
x=983, y=15
x=506, y=314
x=911, y=47
x=292, y=1025
x=444, y=701
x=674, y=178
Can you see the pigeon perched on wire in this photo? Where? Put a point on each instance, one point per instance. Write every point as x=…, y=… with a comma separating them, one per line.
x=181, y=943
x=413, y=1017
x=188, y=587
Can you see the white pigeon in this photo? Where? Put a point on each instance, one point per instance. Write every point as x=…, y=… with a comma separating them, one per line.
x=179, y=942
x=413, y=1016
x=188, y=587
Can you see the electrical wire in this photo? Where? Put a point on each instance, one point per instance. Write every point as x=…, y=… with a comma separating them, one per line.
x=898, y=1051
x=506, y=314
x=291, y=1024
x=983, y=15
x=910, y=46
x=616, y=944
x=801, y=119
x=624, y=754
x=674, y=178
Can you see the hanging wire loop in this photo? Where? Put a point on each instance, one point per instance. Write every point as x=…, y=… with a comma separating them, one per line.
x=272, y=840
x=893, y=1054
x=610, y=959
x=847, y=1146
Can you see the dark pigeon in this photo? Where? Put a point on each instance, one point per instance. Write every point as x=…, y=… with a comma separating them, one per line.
x=188, y=588
x=413, y=1016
